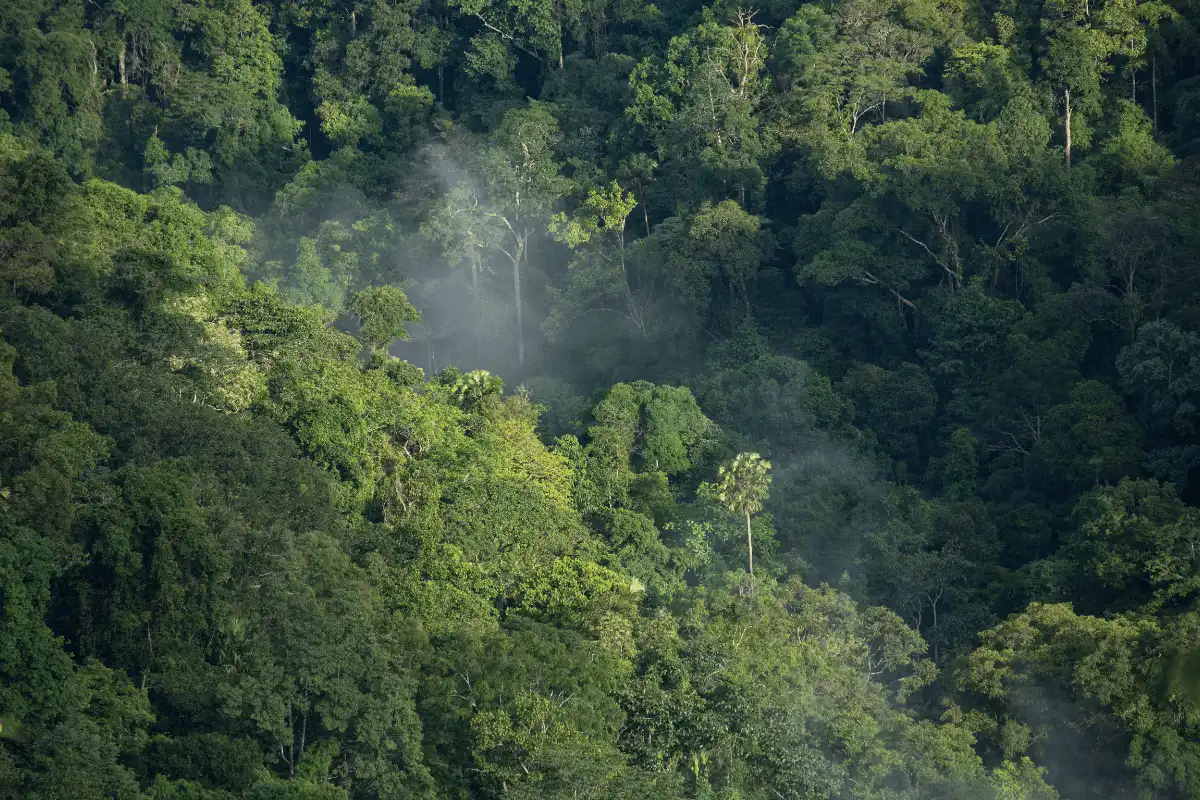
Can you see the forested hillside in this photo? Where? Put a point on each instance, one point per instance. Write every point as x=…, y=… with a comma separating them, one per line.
x=565, y=399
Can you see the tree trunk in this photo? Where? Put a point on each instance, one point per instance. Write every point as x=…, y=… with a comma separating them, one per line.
x=121, y=62
x=475, y=270
x=303, y=732
x=1067, y=96
x=646, y=217
x=750, y=543
x=291, y=761
x=631, y=305
x=516, y=263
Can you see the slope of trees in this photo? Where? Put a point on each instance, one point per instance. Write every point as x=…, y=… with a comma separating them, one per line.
x=482, y=399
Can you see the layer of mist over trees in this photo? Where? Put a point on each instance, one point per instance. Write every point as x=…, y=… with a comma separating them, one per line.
x=564, y=399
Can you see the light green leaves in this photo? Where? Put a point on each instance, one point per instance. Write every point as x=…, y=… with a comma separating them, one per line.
x=192, y=165
x=474, y=388
x=603, y=212
x=744, y=483
x=698, y=107
x=382, y=312
x=742, y=487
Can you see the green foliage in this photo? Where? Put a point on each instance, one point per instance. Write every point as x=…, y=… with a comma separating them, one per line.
x=604, y=211
x=1049, y=655
x=743, y=484
x=382, y=312
x=933, y=258
x=1089, y=439
x=475, y=388
x=1137, y=540
x=192, y=165
x=363, y=88
x=776, y=399
x=742, y=487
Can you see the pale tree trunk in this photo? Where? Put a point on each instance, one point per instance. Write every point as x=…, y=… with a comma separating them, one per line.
x=646, y=217
x=516, y=254
x=630, y=301
x=121, y=62
x=475, y=270
x=1067, y=96
x=750, y=544
x=516, y=263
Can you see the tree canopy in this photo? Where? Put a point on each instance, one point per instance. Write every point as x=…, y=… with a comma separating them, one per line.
x=507, y=400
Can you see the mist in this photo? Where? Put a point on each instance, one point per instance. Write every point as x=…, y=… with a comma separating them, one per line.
x=511, y=400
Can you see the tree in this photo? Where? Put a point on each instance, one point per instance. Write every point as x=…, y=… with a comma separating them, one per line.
x=742, y=486
x=602, y=269
x=506, y=28
x=51, y=64
x=522, y=182
x=1089, y=438
x=228, y=101
x=1076, y=46
x=842, y=66
x=462, y=226
x=1136, y=546
x=362, y=86
x=1050, y=680
x=736, y=244
x=1160, y=372
x=698, y=106
x=382, y=312
x=474, y=389
x=775, y=398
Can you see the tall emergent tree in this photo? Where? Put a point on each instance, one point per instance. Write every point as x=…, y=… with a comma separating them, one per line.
x=523, y=182
x=742, y=487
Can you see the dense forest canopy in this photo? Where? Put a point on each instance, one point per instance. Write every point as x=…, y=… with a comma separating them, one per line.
x=563, y=399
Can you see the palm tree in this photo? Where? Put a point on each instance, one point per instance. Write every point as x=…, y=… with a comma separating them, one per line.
x=742, y=487
x=475, y=388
